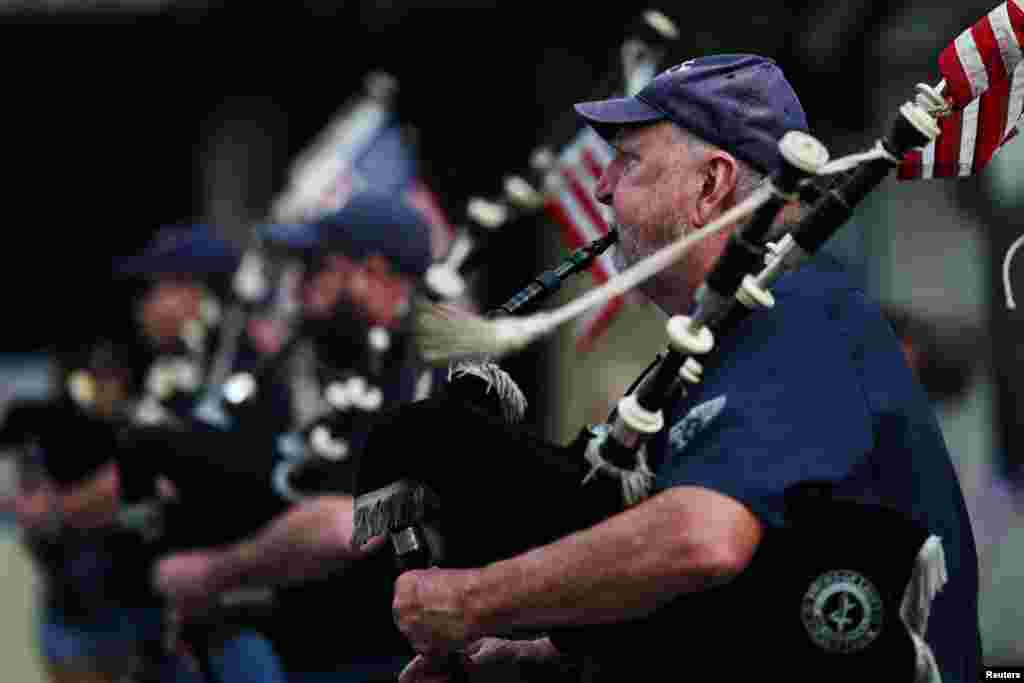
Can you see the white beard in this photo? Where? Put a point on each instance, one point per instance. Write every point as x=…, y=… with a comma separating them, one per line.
x=663, y=289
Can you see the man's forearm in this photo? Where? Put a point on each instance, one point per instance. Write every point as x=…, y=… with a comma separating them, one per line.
x=308, y=541
x=93, y=502
x=681, y=541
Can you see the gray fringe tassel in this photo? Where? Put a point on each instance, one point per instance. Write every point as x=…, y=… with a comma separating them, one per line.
x=513, y=402
x=927, y=579
x=393, y=507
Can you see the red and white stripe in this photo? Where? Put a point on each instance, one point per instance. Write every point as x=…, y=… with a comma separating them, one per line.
x=579, y=168
x=573, y=205
x=984, y=54
x=984, y=76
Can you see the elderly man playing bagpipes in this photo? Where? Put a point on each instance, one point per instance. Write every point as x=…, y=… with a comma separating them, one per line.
x=793, y=508
x=749, y=501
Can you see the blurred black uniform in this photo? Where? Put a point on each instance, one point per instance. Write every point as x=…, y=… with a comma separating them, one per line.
x=230, y=484
x=97, y=607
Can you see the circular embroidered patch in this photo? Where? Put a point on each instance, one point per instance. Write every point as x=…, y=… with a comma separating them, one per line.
x=842, y=611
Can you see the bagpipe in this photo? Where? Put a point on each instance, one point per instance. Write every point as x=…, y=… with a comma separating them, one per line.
x=485, y=490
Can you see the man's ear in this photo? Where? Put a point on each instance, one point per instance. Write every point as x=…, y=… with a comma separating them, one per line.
x=718, y=181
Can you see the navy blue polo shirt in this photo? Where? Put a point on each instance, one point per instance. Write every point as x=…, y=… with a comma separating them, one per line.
x=817, y=389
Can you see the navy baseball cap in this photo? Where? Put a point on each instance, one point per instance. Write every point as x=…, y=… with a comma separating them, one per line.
x=194, y=249
x=740, y=103
x=369, y=223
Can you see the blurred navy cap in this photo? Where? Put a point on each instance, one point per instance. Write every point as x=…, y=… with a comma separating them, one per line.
x=193, y=249
x=369, y=223
x=740, y=103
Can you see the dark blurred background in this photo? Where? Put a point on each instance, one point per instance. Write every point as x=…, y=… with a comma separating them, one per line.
x=119, y=119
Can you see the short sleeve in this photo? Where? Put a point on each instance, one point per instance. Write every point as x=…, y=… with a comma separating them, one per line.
x=784, y=405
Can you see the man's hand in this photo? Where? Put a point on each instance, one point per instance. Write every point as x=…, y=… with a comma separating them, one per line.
x=94, y=502
x=498, y=650
x=480, y=654
x=186, y=579
x=35, y=508
x=431, y=609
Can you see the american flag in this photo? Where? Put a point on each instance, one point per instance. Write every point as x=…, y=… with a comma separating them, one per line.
x=570, y=202
x=387, y=163
x=984, y=84
x=366, y=149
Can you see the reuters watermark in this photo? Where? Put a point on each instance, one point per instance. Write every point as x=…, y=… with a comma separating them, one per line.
x=1002, y=673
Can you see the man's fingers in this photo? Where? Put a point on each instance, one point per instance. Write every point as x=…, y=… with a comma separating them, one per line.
x=424, y=670
x=486, y=650
x=408, y=674
x=495, y=651
x=183, y=575
x=371, y=545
